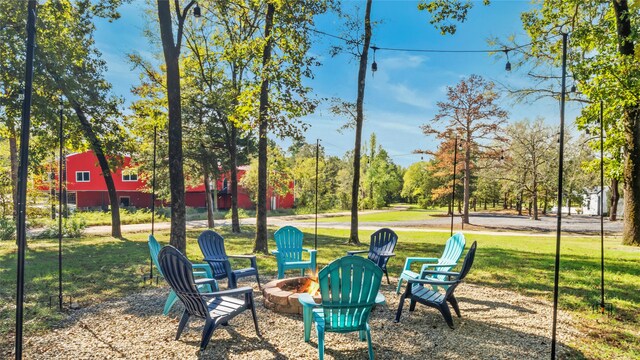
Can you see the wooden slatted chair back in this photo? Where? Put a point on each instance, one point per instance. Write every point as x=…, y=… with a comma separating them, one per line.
x=382, y=241
x=154, y=250
x=178, y=272
x=212, y=246
x=466, y=266
x=289, y=243
x=348, y=287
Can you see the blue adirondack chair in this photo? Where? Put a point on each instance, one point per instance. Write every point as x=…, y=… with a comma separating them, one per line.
x=416, y=291
x=216, y=308
x=349, y=289
x=212, y=246
x=200, y=270
x=383, y=242
x=452, y=251
x=289, y=253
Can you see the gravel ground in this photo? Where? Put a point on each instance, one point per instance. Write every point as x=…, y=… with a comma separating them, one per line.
x=496, y=324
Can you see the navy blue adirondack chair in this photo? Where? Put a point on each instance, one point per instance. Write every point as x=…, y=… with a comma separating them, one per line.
x=200, y=271
x=215, y=308
x=212, y=246
x=416, y=292
x=383, y=242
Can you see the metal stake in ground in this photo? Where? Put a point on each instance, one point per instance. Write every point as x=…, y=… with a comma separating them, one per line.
x=315, y=237
x=153, y=196
x=560, y=170
x=60, y=177
x=453, y=188
x=23, y=169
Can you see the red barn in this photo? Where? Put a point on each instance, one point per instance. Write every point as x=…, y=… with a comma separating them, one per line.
x=87, y=190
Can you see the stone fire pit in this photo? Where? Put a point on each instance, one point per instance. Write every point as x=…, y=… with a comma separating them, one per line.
x=282, y=295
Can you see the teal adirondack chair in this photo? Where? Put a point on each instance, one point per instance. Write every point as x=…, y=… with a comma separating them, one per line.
x=202, y=271
x=449, y=259
x=289, y=253
x=349, y=289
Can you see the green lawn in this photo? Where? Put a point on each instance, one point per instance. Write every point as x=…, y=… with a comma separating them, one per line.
x=98, y=268
x=384, y=216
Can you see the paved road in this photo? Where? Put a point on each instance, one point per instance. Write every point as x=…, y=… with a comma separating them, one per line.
x=488, y=223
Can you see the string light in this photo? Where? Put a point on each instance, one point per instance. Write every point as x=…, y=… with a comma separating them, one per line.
x=196, y=11
x=507, y=66
x=374, y=65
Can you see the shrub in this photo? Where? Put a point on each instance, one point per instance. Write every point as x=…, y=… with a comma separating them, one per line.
x=7, y=229
x=72, y=227
x=242, y=213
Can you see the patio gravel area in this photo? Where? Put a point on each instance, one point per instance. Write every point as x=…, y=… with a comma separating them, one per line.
x=495, y=324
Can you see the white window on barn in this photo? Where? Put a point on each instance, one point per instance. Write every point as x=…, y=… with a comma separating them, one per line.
x=83, y=176
x=130, y=175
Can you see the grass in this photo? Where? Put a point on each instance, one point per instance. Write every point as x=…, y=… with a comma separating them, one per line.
x=411, y=213
x=99, y=268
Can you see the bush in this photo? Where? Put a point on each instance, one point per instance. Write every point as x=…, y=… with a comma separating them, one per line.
x=242, y=213
x=72, y=227
x=7, y=229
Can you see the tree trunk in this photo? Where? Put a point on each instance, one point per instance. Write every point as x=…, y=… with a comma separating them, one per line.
x=176, y=174
x=485, y=203
x=261, y=243
x=534, y=200
x=13, y=156
x=631, y=123
x=362, y=75
x=615, y=196
x=545, y=203
x=208, y=198
x=467, y=179
x=504, y=204
x=519, y=204
x=96, y=146
x=233, y=160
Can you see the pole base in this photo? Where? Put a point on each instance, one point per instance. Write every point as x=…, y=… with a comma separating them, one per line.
x=54, y=300
x=150, y=279
x=602, y=308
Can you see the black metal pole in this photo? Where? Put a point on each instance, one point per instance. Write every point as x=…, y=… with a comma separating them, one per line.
x=23, y=172
x=602, y=306
x=315, y=238
x=153, y=195
x=559, y=225
x=60, y=177
x=453, y=188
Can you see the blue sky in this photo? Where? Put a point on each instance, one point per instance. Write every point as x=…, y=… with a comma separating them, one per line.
x=401, y=95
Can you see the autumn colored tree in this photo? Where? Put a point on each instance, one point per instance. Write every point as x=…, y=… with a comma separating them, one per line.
x=441, y=167
x=470, y=113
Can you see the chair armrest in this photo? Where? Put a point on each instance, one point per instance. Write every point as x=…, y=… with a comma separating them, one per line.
x=408, y=261
x=232, y=292
x=448, y=273
x=307, y=300
x=201, y=266
x=252, y=258
x=203, y=281
x=242, y=256
x=430, y=282
x=437, y=265
x=357, y=252
x=275, y=252
x=309, y=250
x=387, y=254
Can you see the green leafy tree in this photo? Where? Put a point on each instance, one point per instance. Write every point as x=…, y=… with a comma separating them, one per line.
x=604, y=61
x=531, y=146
